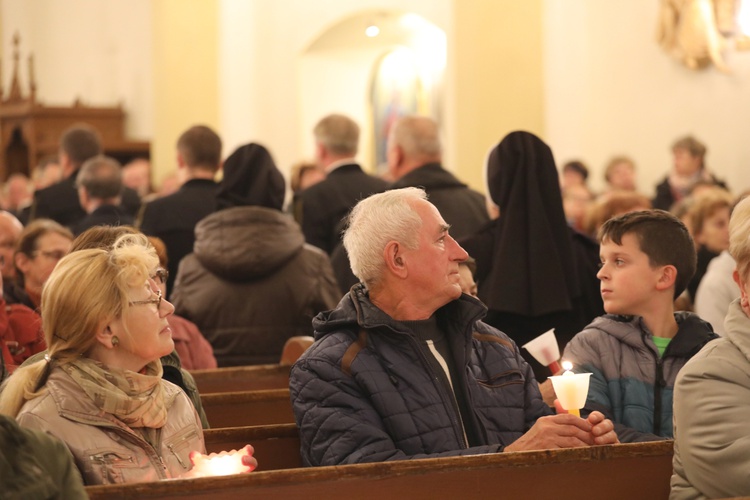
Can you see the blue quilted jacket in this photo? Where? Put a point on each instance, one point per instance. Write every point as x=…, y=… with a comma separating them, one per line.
x=630, y=384
x=365, y=391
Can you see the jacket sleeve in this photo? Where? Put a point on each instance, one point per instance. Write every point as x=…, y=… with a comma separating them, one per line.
x=337, y=423
x=711, y=405
x=585, y=352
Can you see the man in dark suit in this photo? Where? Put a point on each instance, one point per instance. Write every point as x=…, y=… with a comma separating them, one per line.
x=59, y=202
x=326, y=204
x=414, y=160
x=100, y=193
x=173, y=217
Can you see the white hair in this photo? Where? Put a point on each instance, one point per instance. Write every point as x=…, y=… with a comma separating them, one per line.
x=739, y=236
x=374, y=221
x=417, y=136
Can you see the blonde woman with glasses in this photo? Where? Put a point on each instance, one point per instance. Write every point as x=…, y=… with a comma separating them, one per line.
x=99, y=389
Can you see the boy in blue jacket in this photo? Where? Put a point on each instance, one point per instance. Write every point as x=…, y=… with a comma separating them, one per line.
x=635, y=350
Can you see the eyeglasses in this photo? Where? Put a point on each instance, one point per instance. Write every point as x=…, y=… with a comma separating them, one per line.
x=160, y=276
x=52, y=254
x=156, y=301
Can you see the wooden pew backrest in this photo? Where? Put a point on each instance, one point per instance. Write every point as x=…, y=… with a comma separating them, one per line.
x=294, y=348
x=276, y=446
x=242, y=378
x=239, y=409
x=615, y=472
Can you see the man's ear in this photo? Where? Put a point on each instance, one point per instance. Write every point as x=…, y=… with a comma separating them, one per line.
x=83, y=197
x=396, y=160
x=64, y=159
x=394, y=259
x=320, y=153
x=667, y=277
x=180, y=160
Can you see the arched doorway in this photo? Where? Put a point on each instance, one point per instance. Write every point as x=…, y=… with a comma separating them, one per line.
x=373, y=79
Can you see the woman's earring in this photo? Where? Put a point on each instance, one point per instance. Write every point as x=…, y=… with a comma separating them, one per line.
x=115, y=341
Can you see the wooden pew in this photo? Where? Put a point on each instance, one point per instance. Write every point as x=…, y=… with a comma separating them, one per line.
x=237, y=409
x=242, y=378
x=614, y=472
x=276, y=446
x=253, y=378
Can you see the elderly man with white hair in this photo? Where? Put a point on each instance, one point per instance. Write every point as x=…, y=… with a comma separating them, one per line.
x=405, y=368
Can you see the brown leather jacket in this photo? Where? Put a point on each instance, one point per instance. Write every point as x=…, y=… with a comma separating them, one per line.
x=105, y=449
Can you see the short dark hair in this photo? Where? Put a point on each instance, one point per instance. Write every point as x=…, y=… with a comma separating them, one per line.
x=578, y=167
x=661, y=236
x=80, y=142
x=101, y=177
x=29, y=237
x=200, y=147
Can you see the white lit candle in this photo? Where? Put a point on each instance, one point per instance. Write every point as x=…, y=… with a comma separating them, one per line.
x=571, y=388
x=219, y=464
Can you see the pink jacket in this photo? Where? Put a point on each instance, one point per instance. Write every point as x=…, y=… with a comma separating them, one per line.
x=194, y=350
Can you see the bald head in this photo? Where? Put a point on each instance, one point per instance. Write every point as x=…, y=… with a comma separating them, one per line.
x=413, y=141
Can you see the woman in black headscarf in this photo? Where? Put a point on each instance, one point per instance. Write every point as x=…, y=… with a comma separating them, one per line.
x=534, y=271
x=251, y=281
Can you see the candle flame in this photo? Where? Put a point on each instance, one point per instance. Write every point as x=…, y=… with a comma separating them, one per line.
x=567, y=365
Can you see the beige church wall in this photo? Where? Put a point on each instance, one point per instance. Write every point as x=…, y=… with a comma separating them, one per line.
x=95, y=51
x=186, y=79
x=497, y=78
x=318, y=97
x=261, y=45
x=610, y=89
x=337, y=76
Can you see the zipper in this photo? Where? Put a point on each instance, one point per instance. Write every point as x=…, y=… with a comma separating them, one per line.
x=659, y=383
x=171, y=448
x=99, y=459
x=435, y=380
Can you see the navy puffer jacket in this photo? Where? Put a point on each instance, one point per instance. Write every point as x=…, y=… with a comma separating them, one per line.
x=365, y=391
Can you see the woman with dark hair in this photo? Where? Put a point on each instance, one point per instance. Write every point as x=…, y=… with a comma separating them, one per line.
x=252, y=282
x=534, y=272
x=40, y=246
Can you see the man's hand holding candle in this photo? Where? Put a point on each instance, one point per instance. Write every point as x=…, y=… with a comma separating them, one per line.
x=566, y=431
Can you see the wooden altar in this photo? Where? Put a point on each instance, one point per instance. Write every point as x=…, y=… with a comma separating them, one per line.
x=30, y=131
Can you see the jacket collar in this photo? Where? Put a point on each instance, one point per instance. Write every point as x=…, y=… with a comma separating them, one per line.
x=737, y=325
x=429, y=176
x=357, y=311
x=693, y=332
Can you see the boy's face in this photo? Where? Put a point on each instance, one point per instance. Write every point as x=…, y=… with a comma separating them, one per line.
x=627, y=279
